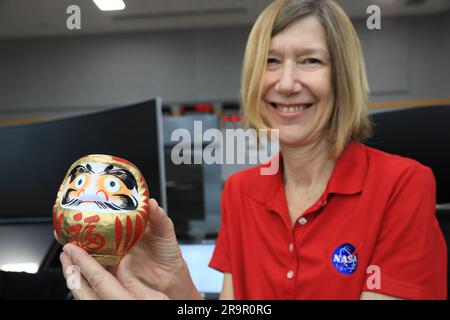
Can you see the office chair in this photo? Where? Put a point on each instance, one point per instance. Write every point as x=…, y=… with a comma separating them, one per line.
x=422, y=134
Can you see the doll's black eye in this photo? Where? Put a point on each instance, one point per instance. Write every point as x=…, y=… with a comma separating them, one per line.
x=112, y=184
x=79, y=182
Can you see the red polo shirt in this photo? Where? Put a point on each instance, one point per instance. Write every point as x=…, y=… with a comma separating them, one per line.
x=373, y=229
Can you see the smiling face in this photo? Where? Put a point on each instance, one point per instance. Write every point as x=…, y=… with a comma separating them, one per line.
x=298, y=96
x=100, y=187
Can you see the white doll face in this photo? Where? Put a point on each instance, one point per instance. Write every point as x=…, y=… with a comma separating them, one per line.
x=100, y=187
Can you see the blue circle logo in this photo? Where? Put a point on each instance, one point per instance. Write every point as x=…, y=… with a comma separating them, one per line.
x=345, y=259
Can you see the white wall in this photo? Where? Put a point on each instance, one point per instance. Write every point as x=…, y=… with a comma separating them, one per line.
x=411, y=58
x=95, y=71
x=407, y=59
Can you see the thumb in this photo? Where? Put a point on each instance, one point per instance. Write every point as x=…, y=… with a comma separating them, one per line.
x=160, y=223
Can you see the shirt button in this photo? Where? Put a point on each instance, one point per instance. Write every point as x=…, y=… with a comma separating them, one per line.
x=302, y=221
x=291, y=247
x=290, y=274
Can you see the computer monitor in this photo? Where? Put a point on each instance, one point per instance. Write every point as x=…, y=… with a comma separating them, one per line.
x=34, y=158
x=208, y=281
x=23, y=247
x=422, y=134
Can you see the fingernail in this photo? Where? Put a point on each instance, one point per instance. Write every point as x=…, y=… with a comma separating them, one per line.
x=67, y=250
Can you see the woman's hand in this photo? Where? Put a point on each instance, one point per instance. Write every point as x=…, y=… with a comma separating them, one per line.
x=97, y=283
x=154, y=269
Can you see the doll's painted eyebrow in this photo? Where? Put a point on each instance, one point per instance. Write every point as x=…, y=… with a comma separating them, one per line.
x=79, y=169
x=122, y=174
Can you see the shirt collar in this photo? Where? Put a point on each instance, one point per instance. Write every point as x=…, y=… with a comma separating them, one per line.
x=350, y=171
x=347, y=178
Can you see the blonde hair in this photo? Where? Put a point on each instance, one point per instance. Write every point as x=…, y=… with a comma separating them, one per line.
x=349, y=120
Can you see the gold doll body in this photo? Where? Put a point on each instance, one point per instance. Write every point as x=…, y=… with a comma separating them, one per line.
x=102, y=207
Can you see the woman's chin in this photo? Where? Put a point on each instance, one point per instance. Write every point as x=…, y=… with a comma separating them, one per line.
x=291, y=140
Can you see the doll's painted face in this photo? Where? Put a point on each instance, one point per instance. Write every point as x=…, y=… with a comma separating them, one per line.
x=100, y=187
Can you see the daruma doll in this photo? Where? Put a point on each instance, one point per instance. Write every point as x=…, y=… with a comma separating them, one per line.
x=102, y=207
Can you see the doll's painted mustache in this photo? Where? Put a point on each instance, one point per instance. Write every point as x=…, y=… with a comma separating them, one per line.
x=126, y=202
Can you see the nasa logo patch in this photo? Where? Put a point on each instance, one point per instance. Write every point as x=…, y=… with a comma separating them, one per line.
x=345, y=259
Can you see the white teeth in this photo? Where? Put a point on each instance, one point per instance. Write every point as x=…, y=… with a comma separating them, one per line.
x=292, y=109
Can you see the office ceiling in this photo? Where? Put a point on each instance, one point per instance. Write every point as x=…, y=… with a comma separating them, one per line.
x=37, y=18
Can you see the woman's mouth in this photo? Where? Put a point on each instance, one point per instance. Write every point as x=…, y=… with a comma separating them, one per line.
x=291, y=109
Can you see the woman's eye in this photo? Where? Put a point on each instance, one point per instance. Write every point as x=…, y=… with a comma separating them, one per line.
x=311, y=61
x=112, y=184
x=79, y=182
x=272, y=61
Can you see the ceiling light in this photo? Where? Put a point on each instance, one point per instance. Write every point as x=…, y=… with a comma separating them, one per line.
x=110, y=5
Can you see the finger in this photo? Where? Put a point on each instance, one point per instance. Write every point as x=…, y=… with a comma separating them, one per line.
x=55, y=235
x=76, y=283
x=161, y=225
x=136, y=286
x=101, y=281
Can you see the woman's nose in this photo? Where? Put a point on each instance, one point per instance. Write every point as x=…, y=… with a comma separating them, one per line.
x=289, y=82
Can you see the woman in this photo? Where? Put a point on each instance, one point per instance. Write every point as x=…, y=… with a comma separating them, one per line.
x=338, y=221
